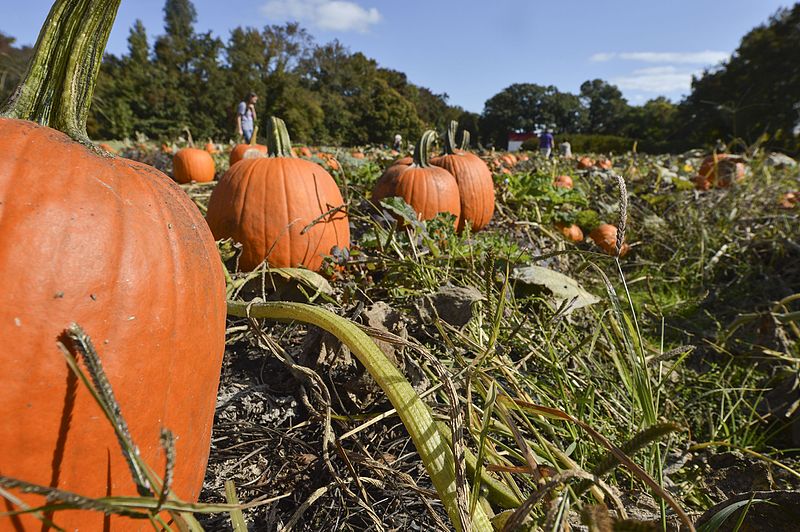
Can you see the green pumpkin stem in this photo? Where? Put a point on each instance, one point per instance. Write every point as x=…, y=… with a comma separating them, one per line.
x=450, y=138
x=424, y=148
x=278, y=142
x=464, y=140
x=57, y=88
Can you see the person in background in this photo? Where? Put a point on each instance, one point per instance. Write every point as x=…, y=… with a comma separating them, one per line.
x=398, y=142
x=546, y=142
x=246, y=116
x=566, y=149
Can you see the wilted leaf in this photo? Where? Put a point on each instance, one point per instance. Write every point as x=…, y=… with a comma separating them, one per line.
x=561, y=286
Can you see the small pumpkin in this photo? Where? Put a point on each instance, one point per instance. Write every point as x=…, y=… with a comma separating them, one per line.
x=721, y=170
x=137, y=268
x=282, y=209
x=584, y=163
x=605, y=236
x=210, y=147
x=475, y=184
x=563, y=181
x=571, y=232
x=428, y=189
x=240, y=151
x=604, y=163
x=193, y=164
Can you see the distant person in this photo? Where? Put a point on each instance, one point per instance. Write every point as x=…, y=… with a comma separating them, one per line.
x=546, y=142
x=566, y=149
x=246, y=116
x=398, y=142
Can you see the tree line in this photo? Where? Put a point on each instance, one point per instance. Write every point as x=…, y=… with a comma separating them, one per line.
x=330, y=95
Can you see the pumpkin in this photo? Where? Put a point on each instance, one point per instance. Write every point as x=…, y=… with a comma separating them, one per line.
x=571, y=232
x=305, y=152
x=240, y=151
x=475, y=185
x=584, y=163
x=428, y=189
x=117, y=247
x=789, y=200
x=721, y=169
x=605, y=236
x=563, y=181
x=193, y=164
x=604, y=163
x=211, y=148
x=358, y=155
x=280, y=208
x=386, y=183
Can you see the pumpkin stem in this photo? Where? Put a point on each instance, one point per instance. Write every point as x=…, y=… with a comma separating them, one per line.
x=189, y=138
x=450, y=138
x=424, y=148
x=57, y=88
x=278, y=142
x=464, y=139
x=254, y=138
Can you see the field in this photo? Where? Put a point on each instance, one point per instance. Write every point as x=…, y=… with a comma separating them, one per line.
x=683, y=353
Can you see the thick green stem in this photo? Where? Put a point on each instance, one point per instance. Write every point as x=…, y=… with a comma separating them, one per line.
x=414, y=413
x=450, y=138
x=57, y=88
x=278, y=142
x=424, y=148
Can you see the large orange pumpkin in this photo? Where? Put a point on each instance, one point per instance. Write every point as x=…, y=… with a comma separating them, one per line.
x=280, y=208
x=584, y=163
x=117, y=247
x=475, y=185
x=720, y=170
x=193, y=164
x=428, y=189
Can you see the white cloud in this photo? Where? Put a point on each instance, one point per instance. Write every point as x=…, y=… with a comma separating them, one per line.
x=334, y=15
x=659, y=80
x=695, y=58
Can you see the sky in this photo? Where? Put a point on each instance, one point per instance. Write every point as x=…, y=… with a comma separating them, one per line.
x=473, y=49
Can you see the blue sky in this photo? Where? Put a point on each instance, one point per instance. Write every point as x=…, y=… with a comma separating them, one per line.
x=473, y=49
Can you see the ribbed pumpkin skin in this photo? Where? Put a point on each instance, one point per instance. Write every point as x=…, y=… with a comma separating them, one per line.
x=237, y=153
x=118, y=248
x=429, y=190
x=475, y=187
x=192, y=164
x=266, y=203
x=387, y=182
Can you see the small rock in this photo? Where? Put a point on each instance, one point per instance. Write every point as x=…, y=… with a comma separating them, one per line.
x=453, y=304
x=780, y=160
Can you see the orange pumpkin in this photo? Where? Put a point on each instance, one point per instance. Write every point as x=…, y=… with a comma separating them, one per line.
x=475, y=185
x=108, y=148
x=193, y=164
x=604, y=163
x=305, y=152
x=605, y=236
x=721, y=169
x=117, y=247
x=211, y=148
x=789, y=200
x=563, y=181
x=428, y=189
x=358, y=155
x=571, y=232
x=584, y=163
x=280, y=208
x=241, y=151
x=386, y=183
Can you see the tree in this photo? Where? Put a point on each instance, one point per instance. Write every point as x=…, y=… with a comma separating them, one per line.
x=605, y=105
x=13, y=62
x=757, y=91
